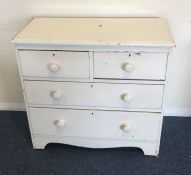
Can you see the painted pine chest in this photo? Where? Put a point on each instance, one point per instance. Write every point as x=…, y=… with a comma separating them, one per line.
x=94, y=82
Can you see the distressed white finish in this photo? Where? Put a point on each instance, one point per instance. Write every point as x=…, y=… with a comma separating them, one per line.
x=95, y=124
x=93, y=104
x=97, y=31
x=94, y=94
x=60, y=64
x=130, y=65
x=149, y=148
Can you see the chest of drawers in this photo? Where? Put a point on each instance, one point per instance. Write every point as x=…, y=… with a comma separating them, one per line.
x=94, y=82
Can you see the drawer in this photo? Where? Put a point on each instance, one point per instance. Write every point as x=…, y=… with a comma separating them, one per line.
x=94, y=94
x=58, y=64
x=123, y=65
x=95, y=124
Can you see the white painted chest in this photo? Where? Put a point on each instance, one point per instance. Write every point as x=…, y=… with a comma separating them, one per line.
x=94, y=82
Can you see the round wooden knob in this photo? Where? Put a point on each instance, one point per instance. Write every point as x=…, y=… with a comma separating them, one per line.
x=56, y=94
x=59, y=123
x=128, y=67
x=53, y=67
x=127, y=97
x=126, y=127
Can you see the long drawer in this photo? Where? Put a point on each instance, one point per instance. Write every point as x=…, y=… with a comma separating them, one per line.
x=124, y=65
x=58, y=64
x=95, y=124
x=94, y=94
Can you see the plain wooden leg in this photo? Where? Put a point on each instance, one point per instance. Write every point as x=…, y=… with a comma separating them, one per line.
x=39, y=143
x=150, y=150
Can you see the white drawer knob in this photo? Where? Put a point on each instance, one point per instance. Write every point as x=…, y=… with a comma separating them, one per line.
x=59, y=123
x=127, y=97
x=56, y=94
x=53, y=67
x=128, y=67
x=126, y=127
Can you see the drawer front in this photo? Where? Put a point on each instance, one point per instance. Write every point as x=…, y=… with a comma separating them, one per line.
x=95, y=124
x=94, y=94
x=115, y=65
x=58, y=64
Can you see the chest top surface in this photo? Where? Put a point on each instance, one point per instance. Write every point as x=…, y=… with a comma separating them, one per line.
x=97, y=31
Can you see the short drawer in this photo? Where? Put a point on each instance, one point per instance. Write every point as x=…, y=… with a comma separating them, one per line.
x=94, y=94
x=95, y=124
x=124, y=65
x=58, y=64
